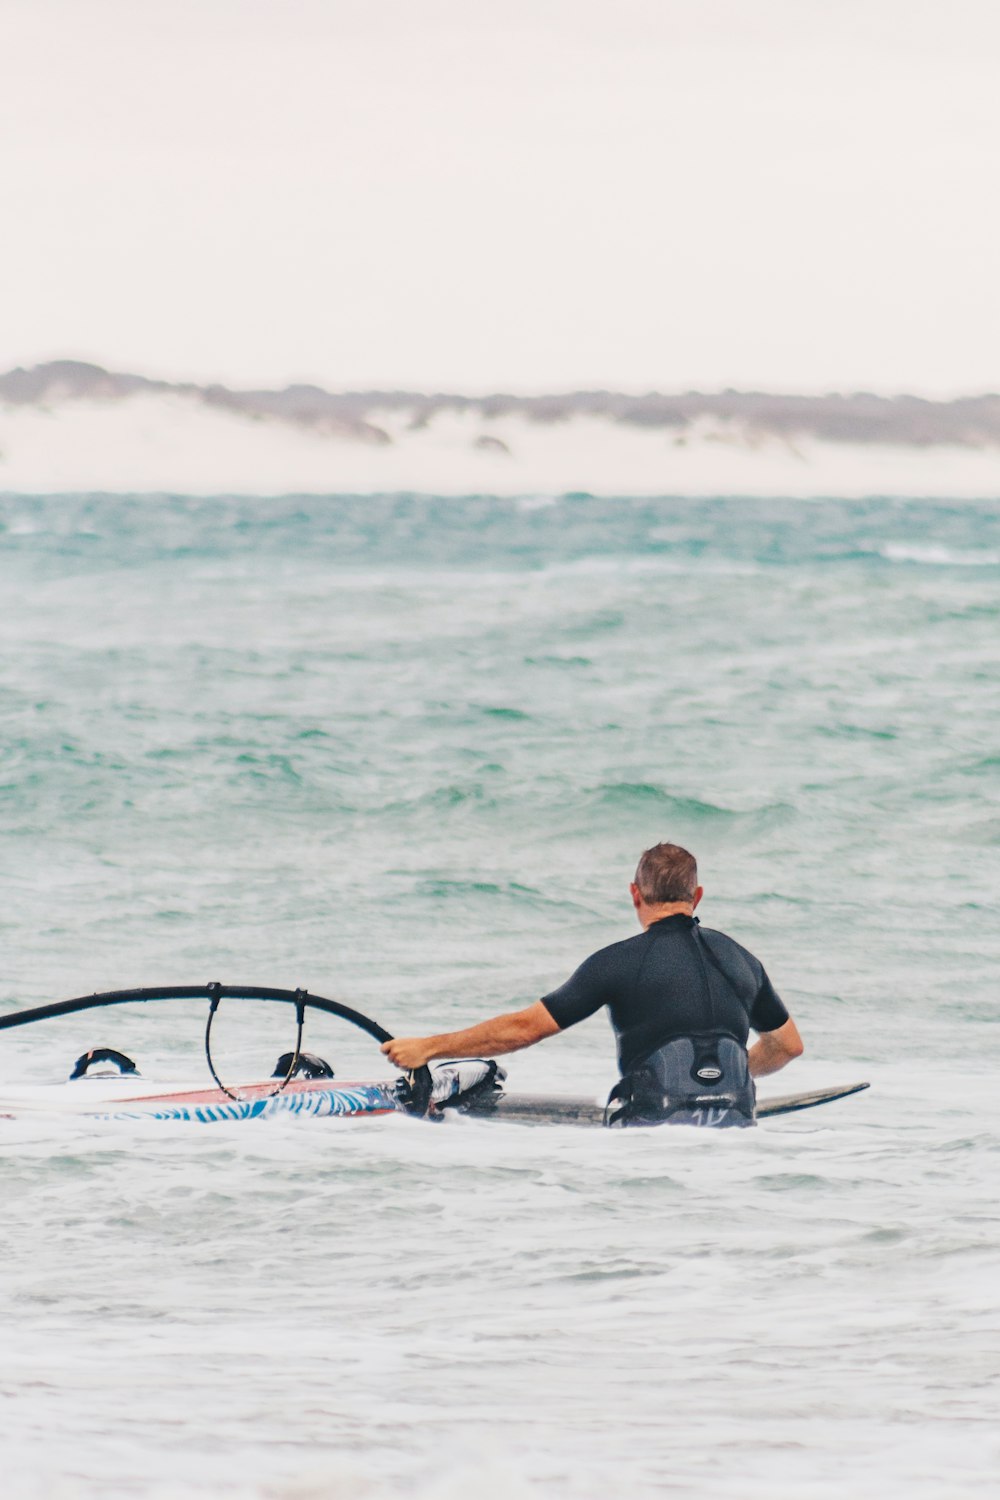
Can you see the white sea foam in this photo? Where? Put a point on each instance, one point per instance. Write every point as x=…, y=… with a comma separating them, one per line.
x=949, y=557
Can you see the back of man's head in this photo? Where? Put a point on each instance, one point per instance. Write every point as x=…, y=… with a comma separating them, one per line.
x=666, y=874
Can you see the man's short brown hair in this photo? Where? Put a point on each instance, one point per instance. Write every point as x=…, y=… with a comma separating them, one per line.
x=666, y=873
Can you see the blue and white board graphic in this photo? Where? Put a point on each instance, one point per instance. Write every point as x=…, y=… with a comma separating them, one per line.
x=341, y=1100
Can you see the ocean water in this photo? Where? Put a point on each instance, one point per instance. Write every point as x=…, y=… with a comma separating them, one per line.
x=405, y=751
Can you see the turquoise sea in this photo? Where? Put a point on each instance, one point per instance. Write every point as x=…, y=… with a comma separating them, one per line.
x=405, y=751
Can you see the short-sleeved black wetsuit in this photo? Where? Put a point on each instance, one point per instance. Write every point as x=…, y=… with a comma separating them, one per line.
x=676, y=979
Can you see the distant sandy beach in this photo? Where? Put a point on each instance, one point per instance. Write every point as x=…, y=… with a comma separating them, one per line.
x=72, y=427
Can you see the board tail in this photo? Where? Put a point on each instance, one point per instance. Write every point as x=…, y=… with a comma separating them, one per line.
x=787, y=1104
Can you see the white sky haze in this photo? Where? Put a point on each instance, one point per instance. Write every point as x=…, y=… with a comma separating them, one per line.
x=541, y=194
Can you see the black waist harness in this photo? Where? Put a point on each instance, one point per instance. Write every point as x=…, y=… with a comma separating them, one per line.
x=690, y=1080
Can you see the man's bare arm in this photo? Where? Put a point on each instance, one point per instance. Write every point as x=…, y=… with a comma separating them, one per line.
x=506, y=1033
x=774, y=1049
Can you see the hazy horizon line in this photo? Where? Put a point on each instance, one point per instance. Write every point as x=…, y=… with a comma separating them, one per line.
x=477, y=391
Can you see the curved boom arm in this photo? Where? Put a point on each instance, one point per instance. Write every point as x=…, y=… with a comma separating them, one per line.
x=197, y=992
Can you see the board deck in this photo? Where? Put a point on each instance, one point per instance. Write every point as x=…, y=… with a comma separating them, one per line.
x=124, y=1099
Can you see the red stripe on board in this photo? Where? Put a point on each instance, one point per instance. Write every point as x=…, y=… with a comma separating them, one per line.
x=243, y=1091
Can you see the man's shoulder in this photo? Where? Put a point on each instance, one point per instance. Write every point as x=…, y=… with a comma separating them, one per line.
x=614, y=952
x=723, y=941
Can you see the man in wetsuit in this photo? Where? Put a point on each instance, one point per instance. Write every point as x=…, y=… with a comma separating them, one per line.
x=682, y=1000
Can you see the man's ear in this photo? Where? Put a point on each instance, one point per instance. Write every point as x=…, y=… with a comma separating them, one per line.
x=636, y=895
x=697, y=896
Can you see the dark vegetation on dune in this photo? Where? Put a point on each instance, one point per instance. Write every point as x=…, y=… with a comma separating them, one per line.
x=968, y=421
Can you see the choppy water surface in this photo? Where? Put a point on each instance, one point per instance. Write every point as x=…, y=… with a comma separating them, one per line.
x=406, y=751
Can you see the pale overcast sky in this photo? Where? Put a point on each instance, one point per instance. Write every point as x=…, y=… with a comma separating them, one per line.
x=525, y=194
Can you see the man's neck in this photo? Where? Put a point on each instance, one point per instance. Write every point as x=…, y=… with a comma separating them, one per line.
x=649, y=914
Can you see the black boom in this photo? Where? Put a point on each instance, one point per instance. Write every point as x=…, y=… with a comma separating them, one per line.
x=209, y=992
